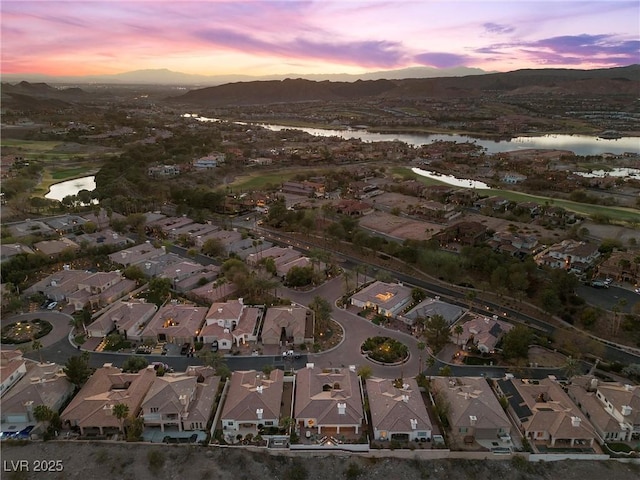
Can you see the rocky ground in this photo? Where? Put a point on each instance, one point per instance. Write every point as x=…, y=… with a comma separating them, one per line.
x=144, y=462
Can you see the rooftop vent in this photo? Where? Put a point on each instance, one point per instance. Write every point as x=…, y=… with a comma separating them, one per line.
x=414, y=423
x=259, y=412
x=575, y=421
x=473, y=419
x=342, y=408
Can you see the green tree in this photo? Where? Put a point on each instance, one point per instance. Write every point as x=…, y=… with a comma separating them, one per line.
x=134, y=272
x=322, y=312
x=417, y=294
x=437, y=332
x=42, y=413
x=159, y=289
x=77, y=369
x=121, y=411
x=458, y=329
x=134, y=364
x=365, y=372
x=213, y=247
x=135, y=429
x=515, y=343
x=571, y=367
x=37, y=347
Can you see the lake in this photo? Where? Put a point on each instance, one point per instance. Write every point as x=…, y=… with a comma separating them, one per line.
x=58, y=191
x=579, y=144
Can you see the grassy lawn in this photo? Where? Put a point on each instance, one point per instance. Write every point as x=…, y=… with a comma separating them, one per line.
x=620, y=214
x=616, y=214
x=30, y=145
x=258, y=181
x=70, y=173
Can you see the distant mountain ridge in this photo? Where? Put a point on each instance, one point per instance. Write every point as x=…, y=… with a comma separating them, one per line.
x=165, y=76
x=620, y=80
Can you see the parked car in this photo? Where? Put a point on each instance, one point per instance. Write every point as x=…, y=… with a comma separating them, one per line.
x=52, y=305
x=185, y=348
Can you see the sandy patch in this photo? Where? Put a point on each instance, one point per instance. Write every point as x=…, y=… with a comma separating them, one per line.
x=400, y=227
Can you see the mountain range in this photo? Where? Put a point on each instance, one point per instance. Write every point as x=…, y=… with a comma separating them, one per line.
x=612, y=81
x=621, y=82
x=168, y=77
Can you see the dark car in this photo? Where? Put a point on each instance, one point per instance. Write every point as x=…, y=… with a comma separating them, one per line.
x=25, y=433
x=185, y=349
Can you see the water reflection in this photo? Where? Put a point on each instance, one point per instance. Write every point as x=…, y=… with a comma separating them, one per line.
x=451, y=180
x=58, y=191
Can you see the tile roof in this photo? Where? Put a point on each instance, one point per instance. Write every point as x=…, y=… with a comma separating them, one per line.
x=108, y=386
x=392, y=408
x=318, y=393
x=251, y=390
x=472, y=397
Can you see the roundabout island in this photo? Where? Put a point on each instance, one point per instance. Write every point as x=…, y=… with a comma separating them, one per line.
x=385, y=350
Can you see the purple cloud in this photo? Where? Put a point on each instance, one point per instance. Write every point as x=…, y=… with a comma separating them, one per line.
x=497, y=28
x=441, y=60
x=574, y=50
x=367, y=53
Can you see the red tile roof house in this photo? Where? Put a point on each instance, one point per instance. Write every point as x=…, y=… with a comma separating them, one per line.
x=398, y=412
x=570, y=255
x=287, y=325
x=137, y=254
x=100, y=289
x=91, y=409
x=475, y=415
x=545, y=414
x=253, y=400
x=612, y=407
x=43, y=384
x=213, y=292
x=53, y=248
x=175, y=323
x=179, y=400
x=385, y=298
x=230, y=322
x=483, y=332
x=12, y=369
x=328, y=401
x=126, y=318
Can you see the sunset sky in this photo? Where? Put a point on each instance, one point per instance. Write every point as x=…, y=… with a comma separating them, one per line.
x=264, y=37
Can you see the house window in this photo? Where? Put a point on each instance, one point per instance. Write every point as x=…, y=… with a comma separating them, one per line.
x=268, y=422
x=463, y=430
x=421, y=434
x=230, y=423
x=154, y=409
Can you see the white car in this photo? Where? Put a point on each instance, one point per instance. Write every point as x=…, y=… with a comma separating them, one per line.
x=52, y=305
x=637, y=290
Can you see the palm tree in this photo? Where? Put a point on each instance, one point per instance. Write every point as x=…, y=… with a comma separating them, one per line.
x=471, y=296
x=121, y=411
x=37, y=346
x=421, y=346
x=42, y=413
x=571, y=367
x=458, y=331
x=348, y=276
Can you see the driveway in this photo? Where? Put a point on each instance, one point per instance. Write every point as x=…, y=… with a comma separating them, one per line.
x=356, y=331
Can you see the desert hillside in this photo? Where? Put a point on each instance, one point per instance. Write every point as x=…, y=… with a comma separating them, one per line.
x=145, y=462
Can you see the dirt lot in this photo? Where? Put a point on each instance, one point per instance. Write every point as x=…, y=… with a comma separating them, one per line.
x=399, y=227
x=143, y=462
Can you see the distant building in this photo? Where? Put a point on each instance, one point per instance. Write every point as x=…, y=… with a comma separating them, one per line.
x=388, y=299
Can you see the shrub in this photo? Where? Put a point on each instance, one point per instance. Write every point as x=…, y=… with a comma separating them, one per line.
x=156, y=460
